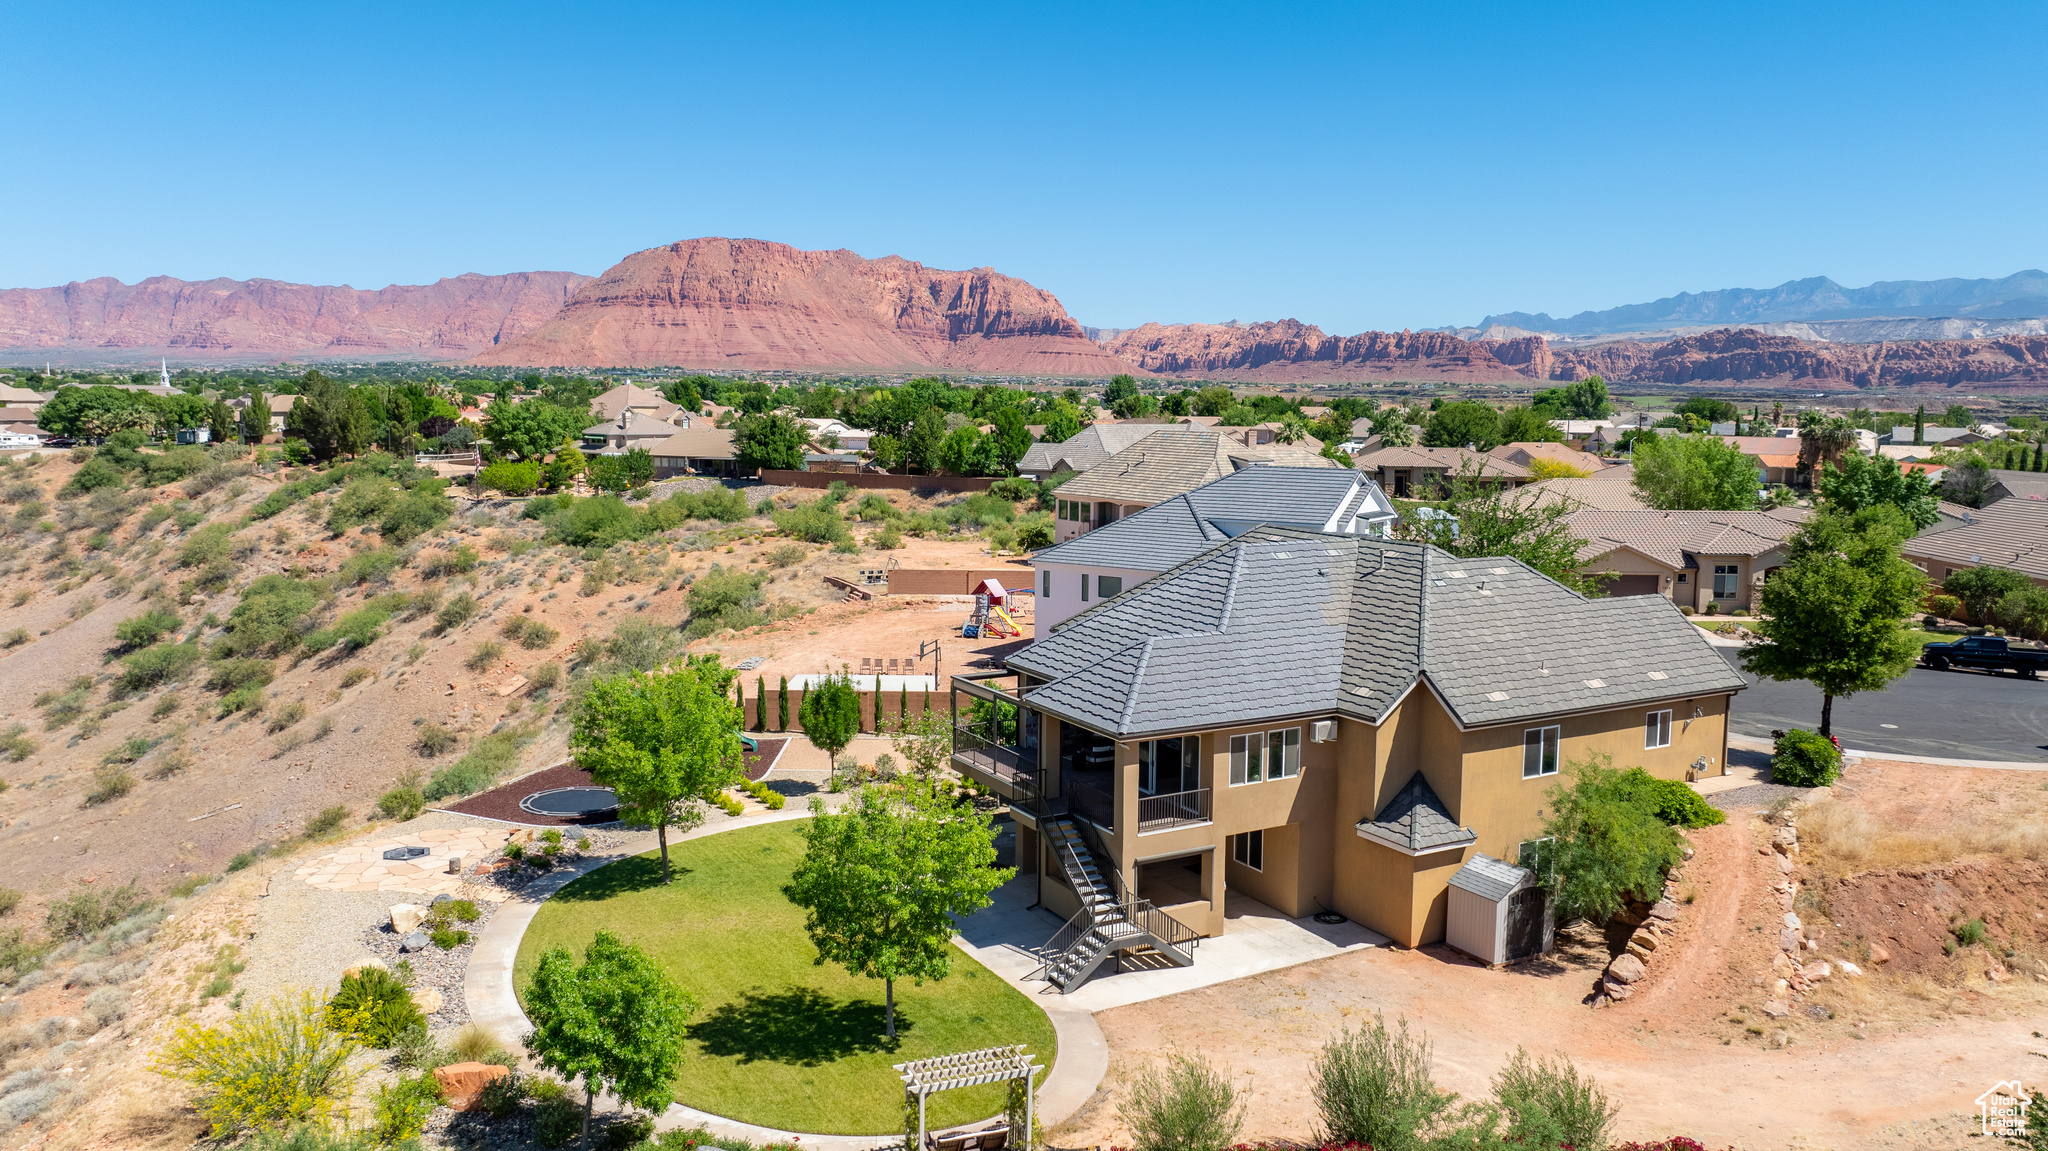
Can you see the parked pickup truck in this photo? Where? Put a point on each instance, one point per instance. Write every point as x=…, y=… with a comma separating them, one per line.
x=1987, y=653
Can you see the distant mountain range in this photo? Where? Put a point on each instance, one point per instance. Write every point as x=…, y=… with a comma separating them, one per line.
x=2020, y=296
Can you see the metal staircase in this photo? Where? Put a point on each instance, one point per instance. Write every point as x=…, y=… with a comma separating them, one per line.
x=1110, y=923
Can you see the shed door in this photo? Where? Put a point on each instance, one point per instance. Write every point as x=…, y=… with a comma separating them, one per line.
x=1634, y=585
x=1527, y=909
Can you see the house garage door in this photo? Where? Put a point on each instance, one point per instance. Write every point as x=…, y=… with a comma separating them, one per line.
x=1634, y=585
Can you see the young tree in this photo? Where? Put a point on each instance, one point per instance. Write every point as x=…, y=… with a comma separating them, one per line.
x=1010, y=440
x=1693, y=473
x=1920, y=424
x=1832, y=614
x=830, y=714
x=1606, y=842
x=925, y=740
x=881, y=880
x=617, y=1020
x=1859, y=481
x=256, y=417
x=530, y=430
x=665, y=743
x=220, y=421
x=1493, y=520
x=1463, y=422
x=770, y=441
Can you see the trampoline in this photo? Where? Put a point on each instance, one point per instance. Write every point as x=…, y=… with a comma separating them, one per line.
x=571, y=802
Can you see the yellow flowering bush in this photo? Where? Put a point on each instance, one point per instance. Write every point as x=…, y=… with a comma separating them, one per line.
x=275, y=1064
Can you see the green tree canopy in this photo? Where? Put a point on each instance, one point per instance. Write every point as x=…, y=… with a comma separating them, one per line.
x=1831, y=616
x=531, y=429
x=1062, y=421
x=1391, y=425
x=1860, y=481
x=1526, y=426
x=666, y=743
x=1710, y=410
x=617, y=1020
x=770, y=441
x=1981, y=588
x=1694, y=473
x=1607, y=843
x=882, y=879
x=1489, y=519
x=1823, y=438
x=1120, y=388
x=1463, y=422
x=1966, y=483
x=831, y=713
x=1584, y=400
x=330, y=417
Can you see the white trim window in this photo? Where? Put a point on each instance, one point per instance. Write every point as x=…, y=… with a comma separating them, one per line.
x=1247, y=758
x=1539, y=752
x=1045, y=583
x=1283, y=753
x=1263, y=756
x=1657, y=729
x=1109, y=587
x=1536, y=854
x=1249, y=849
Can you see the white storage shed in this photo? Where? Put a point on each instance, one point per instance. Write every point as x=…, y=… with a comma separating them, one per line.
x=1499, y=913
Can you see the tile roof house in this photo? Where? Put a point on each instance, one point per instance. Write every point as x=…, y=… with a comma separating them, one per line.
x=18, y=397
x=1595, y=494
x=2009, y=483
x=1777, y=457
x=1070, y=577
x=1171, y=460
x=1526, y=454
x=633, y=428
x=2012, y=533
x=1902, y=435
x=695, y=451
x=1412, y=473
x=1308, y=720
x=632, y=397
x=1696, y=559
x=1083, y=450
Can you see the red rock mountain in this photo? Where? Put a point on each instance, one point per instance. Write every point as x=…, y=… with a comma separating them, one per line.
x=1292, y=351
x=265, y=319
x=719, y=303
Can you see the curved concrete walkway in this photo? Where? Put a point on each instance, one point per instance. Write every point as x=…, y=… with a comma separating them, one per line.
x=1082, y=1061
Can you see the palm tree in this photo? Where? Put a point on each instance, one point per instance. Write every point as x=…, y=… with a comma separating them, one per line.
x=1823, y=439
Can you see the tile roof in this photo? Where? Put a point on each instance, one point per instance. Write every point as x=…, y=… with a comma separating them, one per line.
x=1346, y=625
x=2011, y=533
x=1521, y=453
x=1170, y=533
x=696, y=444
x=632, y=422
x=1086, y=448
x=1593, y=493
x=1177, y=458
x=1416, y=821
x=2026, y=485
x=1450, y=459
x=1489, y=878
x=632, y=397
x=1668, y=537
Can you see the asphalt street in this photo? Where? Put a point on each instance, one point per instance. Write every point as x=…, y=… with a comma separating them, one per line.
x=1955, y=714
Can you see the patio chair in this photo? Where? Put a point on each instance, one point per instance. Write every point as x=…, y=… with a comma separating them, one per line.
x=865, y=666
x=988, y=1139
x=892, y=667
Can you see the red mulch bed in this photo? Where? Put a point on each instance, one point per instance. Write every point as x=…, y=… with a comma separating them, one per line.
x=502, y=802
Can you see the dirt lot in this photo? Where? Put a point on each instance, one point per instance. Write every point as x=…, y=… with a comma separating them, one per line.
x=1897, y=1066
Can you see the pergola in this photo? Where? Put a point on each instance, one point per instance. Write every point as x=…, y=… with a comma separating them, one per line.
x=923, y=1078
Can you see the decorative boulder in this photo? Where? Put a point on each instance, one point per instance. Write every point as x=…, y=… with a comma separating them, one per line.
x=365, y=965
x=1879, y=955
x=1625, y=969
x=441, y=899
x=417, y=941
x=1815, y=972
x=427, y=1000
x=1616, y=990
x=1664, y=910
x=461, y=1083
x=1782, y=966
x=405, y=918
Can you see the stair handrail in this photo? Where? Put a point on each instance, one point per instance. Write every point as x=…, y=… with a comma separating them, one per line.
x=1145, y=915
x=1062, y=940
x=1085, y=832
x=1077, y=871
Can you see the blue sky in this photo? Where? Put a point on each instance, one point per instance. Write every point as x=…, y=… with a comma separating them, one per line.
x=1356, y=166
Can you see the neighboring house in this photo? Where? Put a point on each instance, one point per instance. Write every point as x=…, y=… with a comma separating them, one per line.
x=15, y=397
x=1596, y=494
x=1692, y=558
x=851, y=439
x=1583, y=429
x=832, y=461
x=2011, y=533
x=633, y=429
x=1172, y=460
x=2014, y=484
x=1292, y=722
x=1083, y=450
x=280, y=407
x=698, y=451
x=646, y=401
x=1776, y=457
x=20, y=420
x=1902, y=436
x=1526, y=454
x=1073, y=576
x=1414, y=473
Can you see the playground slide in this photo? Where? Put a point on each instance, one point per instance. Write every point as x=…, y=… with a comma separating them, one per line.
x=1006, y=619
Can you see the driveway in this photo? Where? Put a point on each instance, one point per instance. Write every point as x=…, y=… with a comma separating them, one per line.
x=1954, y=714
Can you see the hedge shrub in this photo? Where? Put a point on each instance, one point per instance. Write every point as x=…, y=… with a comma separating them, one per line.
x=1805, y=759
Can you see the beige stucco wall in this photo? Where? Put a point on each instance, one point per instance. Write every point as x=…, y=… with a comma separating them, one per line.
x=1625, y=562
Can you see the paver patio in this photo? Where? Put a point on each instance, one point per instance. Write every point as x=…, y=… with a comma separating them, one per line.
x=364, y=868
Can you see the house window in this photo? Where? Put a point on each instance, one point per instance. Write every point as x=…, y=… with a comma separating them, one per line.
x=1724, y=581
x=1062, y=512
x=1681, y=577
x=1246, y=752
x=1283, y=753
x=1084, y=587
x=1167, y=766
x=1109, y=587
x=1539, y=752
x=1045, y=583
x=1257, y=757
x=1535, y=854
x=1249, y=849
x=1657, y=729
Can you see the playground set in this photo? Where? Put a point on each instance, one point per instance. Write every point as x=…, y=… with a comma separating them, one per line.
x=991, y=618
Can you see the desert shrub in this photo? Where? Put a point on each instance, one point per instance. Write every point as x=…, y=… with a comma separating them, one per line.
x=286, y=716
x=355, y=676
x=17, y=746
x=818, y=523
x=545, y=677
x=434, y=740
x=787, y=555
x=109, y=782
x=462, y=558
x=1372, y=1087
x=599, y=521
x=405, y=800
x=1549, y=1104
x=373, y=1006
x=1035, y=531
x=84, y=913
x=1944, y=606
x=1674, y=802
x=319, y=1137
x=486, y=653
x=888, y=539
x=475, y=1043
x=456, y=612
x=1186, y=1105
x=721, y=592
x=1607, y=842
x=372, y=566
x=422, y=509
x=241, y=860
x=327, y=819
x=404, y=1106
x=352, y=632
x=529, y=632
x=556, y=1122
x=487, y=759
x=274, y=612
x=502, y=1096
x=362, y=500
x=268, y=1066
x=514, y=479
x=233, y=674
x=726, y=504
x=207, y=545
x=1805, y=759
x=15, y=638
x=94, y=475
x=143, y=630
x=155, y=666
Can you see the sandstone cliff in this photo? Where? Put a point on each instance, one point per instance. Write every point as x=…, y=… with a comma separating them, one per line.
x=720, y=303
x=256, y=319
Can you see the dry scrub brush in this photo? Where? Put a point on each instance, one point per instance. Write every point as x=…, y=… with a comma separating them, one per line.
x=1838, y=838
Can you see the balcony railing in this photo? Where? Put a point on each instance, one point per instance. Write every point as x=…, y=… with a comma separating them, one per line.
x=1175, y=809
x=974, y=748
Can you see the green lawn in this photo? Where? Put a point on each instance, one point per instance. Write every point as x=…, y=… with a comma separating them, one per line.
x=777, y=1039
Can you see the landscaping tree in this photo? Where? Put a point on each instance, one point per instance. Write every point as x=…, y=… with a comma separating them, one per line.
x=1461, y=423
x=1822, y=439
x=664, y=743
x=1920, y=424
x=830, y=714
x=617, y=1021
x=256, y=417
x=1185, y=1106
x=1526, y=426
x=1694, y=473
x=1606, y=844
x=330, y=417
x=1392, y=427
x=1062, y=421
x=1982, y=588
x=1492, y=520
x=1966, y=483
x=1858, y=481
x=881, y=880
x=1832, y=614
x=532, y=429
x=925, y=740
x=1585, y=400
x=770, y=441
